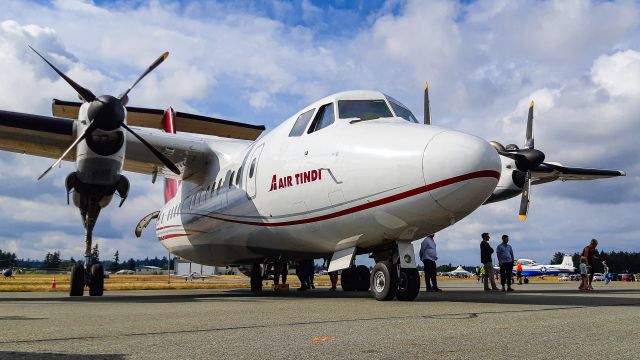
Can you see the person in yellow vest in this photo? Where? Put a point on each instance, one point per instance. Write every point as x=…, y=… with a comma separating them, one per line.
x=519, y=272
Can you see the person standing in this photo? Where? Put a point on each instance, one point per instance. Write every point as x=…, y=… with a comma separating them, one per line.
x=591, y=254
x=428, y=255
x=504, y=252
x=606, y=275
x=486, y=251
x=519, y=272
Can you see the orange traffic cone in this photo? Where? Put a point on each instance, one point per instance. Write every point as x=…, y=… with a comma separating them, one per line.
x=53, y=283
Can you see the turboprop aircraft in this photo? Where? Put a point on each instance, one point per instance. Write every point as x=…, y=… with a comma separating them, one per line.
x=352, y=173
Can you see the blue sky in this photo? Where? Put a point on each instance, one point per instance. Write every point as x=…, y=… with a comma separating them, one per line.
x=259, y=62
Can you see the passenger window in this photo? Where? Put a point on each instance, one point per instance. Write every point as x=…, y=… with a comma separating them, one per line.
x=219, y=184
x=252, y=168
x=239, y=176
x=233, y=174
x=324, y=118
x=301, y=123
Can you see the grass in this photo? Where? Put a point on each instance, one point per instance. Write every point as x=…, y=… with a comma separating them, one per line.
x=42, y=282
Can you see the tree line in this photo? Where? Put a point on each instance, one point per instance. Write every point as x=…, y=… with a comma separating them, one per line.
x=621, y=262
x=53, y=261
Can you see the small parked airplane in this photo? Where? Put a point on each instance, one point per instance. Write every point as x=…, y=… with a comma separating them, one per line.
x=8, y=273
x=531, y=268
x=352, y=173
x=194, y=275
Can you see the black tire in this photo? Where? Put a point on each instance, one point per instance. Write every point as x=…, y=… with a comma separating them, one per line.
x=363, y=277
x=408, y=284
x=384, y=281
x=96, y=287
x=76, y=282
x=526, y=280
x=348, y=279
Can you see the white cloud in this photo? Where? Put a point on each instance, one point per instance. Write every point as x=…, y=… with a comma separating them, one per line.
x=618, y=73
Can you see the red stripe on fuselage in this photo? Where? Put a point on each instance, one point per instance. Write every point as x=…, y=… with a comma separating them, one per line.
x=383, y=201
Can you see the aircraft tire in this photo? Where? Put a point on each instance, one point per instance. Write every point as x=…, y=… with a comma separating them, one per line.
x=384, y=281
x=363, y=277
x=348, y=279
x=76, y=283
x=96, y=287
x=408, y=285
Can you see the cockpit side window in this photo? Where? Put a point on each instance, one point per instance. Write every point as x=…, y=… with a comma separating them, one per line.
x=363, y=109
x=301, y=123
x=324, y=118
x=401, y=110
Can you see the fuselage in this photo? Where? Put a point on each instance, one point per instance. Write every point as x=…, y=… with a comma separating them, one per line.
x=303, y=194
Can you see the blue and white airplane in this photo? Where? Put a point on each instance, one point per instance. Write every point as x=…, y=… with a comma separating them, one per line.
x=532, y=268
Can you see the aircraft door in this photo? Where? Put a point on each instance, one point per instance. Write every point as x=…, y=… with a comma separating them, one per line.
x=252, y=172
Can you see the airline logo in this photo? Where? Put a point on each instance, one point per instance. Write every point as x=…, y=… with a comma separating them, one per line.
x=278, y=182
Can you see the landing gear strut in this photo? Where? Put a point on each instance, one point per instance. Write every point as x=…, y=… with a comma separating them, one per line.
x=389, y=279
x=88, y=274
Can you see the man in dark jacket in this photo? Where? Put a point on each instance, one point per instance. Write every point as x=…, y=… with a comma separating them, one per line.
x=485, y=257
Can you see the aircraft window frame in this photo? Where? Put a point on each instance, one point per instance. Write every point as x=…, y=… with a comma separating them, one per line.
x=252, y=168
x=238, y=176
x=220, y=184
x=233, y=174
x=395, y=103
x=301, y=123
x=382, y=115
x=318, y=123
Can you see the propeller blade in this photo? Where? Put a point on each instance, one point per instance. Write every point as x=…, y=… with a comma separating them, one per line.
x=85, y=93
x=84, y=134
x=154, y=65
x=529, y=143
x=526, y=197
x=155, y=152
x=427, y=105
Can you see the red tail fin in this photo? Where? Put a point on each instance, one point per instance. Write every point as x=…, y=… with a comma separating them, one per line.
x=170, y=185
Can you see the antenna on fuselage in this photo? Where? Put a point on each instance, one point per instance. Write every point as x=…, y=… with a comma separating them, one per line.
x=427, y=106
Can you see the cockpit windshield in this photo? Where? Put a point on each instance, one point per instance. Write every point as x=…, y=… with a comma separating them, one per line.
x=363, y=109
x=401, y=110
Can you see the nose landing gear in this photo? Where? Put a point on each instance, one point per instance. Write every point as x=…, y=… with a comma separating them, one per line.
x=390, y=280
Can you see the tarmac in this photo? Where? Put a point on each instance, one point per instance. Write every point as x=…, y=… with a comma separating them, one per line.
x=538, y=320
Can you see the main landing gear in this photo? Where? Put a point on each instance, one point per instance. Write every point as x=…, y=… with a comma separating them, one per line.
x=256, y=278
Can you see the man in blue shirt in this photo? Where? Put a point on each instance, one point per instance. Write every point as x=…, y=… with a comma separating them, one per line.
x=428, y=255
x=505, y=259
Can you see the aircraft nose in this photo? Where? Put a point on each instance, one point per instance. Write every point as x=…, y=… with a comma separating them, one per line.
x=461, y=171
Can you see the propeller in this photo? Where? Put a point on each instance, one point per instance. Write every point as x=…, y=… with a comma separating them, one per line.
x=108, y=113
x=427, y=105
x=526, y=159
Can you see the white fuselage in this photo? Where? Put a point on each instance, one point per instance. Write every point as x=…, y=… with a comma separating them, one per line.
x=359, y=184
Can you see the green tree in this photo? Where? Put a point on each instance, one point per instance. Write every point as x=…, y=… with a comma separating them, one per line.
x=115, y=264
x=95, y=254
x=557, y=258
x=52, y=261
x=131, y=264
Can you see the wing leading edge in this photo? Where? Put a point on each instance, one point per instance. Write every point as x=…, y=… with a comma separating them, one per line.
x=184, y=122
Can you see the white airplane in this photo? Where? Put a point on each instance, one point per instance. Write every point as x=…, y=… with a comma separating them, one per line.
x=352, y=173
x=532, y=268
x=194, y=275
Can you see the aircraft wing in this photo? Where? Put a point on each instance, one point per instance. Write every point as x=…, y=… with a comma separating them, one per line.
x=547, y=172
x=48, y=136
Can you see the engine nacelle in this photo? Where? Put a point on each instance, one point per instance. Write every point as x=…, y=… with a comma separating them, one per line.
x=100, y=158
x=511, y=181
